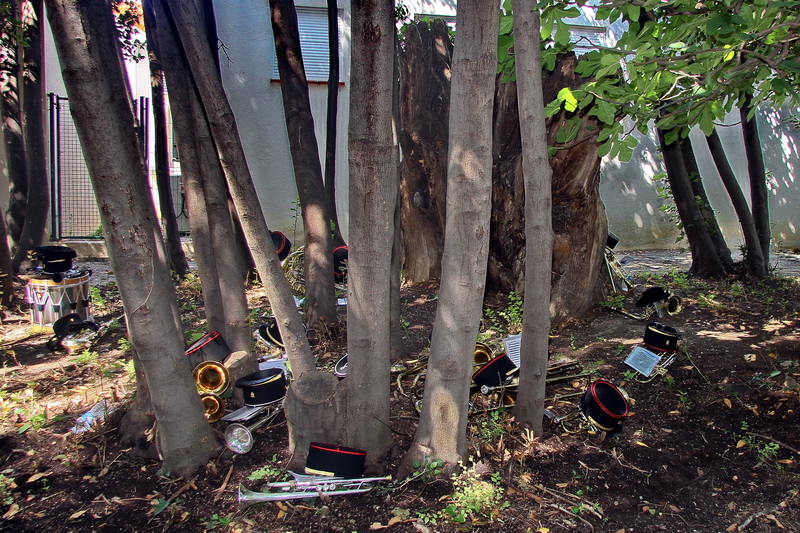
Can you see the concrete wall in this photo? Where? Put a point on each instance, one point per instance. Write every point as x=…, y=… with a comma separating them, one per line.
x=633, y=206
x=245, y=30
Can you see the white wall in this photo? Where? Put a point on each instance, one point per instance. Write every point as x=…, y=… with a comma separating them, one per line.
x=632, y=203
x=245, y=31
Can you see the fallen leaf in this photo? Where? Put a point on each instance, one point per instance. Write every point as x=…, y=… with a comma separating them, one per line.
x=394, y=520
x=741, y=444
x=640, y=443
x=674, y=509
x=786, y=461
x=543, y=530
x=645, y=509
x=377, y=525
x=674, y=412
x=282, y=506
x=77, y=514
x=777, y=522
x=732, y=527
x=562, y=485
x=37, y=476
x=728, y=403
x=14, y=509
x=749, y=357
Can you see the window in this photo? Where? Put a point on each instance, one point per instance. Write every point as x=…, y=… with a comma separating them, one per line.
x=313, y=25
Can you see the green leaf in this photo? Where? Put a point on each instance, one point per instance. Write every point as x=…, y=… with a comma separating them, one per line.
x=570, y=102
x=718, y=25
x=730, y=54
x=569, y=131
x=633, y=12
x=552, y=108
x=562, y=34
x=506, y=23
x=604, y=149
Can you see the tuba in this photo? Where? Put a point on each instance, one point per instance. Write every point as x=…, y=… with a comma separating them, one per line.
x=673, y=305
x=211, y=377
x=213, y=406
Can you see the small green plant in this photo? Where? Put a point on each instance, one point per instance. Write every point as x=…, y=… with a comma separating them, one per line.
x=217, y=521
x=97, y=297
x=124, y=344
x=629, y=375
x=614, y=302
x=268, y=471
x=489, y=426
x=508, y=318
x=87, y=358
x=7, y=485
x=474, y=498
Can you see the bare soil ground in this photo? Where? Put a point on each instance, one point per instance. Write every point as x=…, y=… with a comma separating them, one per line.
x=712, y=445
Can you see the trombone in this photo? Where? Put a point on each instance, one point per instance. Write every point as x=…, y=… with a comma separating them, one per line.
x=307, y=486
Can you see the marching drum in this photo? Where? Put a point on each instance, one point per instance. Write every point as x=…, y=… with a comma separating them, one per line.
x=50, y=300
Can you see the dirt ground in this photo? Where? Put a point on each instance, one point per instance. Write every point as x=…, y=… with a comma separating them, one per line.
x=711, y=445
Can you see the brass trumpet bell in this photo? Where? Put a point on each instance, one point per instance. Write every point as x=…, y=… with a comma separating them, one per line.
x=483, y=354
x=673, y=305
x=211, y=377
x=214, y=406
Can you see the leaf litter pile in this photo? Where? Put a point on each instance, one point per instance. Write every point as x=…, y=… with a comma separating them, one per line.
x=710, y=443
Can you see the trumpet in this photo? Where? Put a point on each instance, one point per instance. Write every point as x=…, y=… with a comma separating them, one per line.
x=304, y=486
x=239, y=438
x=213, y=405
x=659, y=370
x=211, y=377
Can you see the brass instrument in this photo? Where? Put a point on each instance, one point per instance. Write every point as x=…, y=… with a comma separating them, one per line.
x=294, y=270
x=659, y=370
x=211, y=377
x=673, y=305
x=239, y=438
x=214, y=406
x=306, y=486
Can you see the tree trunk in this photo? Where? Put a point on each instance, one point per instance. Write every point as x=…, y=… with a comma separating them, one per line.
x=536, y=171
x=88, y=50
x=758, y=177
x=6, y=274
x=321, y=302
x=330, y=124
x=13, y=135
x=709, y=217
x=705, y=260
x=442, y=427
x=207, y=199
x=580, y=227
x=175, y=252
x=189, y=22
x=754, y=259
x=373, y=196
x=33, y=100
x=425, y=60
x=579, y=219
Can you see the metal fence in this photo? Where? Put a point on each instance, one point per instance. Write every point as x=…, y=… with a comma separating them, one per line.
x=74, y=213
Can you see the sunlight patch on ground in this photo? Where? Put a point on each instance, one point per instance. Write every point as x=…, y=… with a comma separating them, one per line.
x=735, y=336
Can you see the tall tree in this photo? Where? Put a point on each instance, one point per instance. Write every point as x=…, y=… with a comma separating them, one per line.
x=332, y=110
x=529, y=408
x=216, y=253
x=442, y=427
x=23, y=101
x=32, y=105
x=314, y=205
x=373, y=194
x=88, y=49
x=161, y=150
x=189, y=20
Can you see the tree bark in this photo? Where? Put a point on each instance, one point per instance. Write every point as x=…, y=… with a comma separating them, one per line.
x=189, y=22
x=218, y=261
x=758, y=177
x=425, y=66
x=33, y=104
x=88, y=50
x=536, y=171
x=6, y=273
x=13, y=135
x=709, y=218
x=175, y=251
x=373, y=196
x=705, y=260
x=442, y=427
x=753, y=258
x=330, y=124
x=320, y=299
